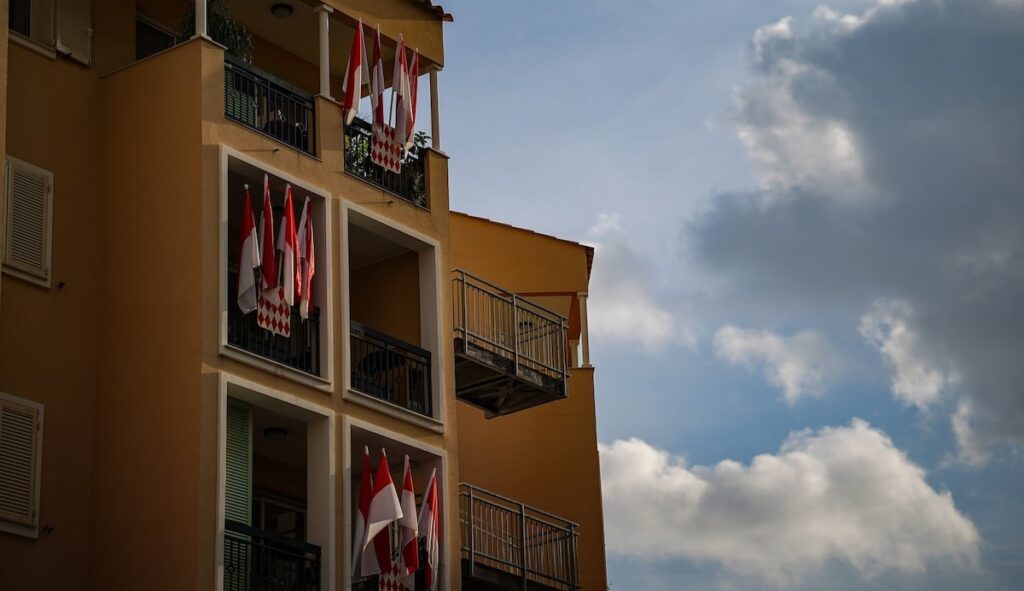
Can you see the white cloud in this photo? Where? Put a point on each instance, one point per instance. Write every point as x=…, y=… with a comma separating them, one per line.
x=799, y=365
x=782, y=29
x=843, y=493
x=916, y=379
x=622, y=306
x=971, y=449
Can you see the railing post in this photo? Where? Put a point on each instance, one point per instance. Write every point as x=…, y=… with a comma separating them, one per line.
x=522, y=543
x=465, y=304
x=472, y=534
x=515, y=330
x=574, y=561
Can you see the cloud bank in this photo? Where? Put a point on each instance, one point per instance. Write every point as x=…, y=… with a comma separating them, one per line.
x=844, y=493
x=890, y=146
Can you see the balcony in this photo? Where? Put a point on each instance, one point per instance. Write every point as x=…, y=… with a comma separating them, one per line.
x=410, y=184
x=510, y=353
x=509, y=545
x=260, y=560
x=269, y=105
x=391, y=370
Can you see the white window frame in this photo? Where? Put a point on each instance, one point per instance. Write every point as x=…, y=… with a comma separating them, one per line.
x=431, y=323
x=320, y=424
x=7, y=269
x=325, y=265
x=20, y=529
x=45, y=49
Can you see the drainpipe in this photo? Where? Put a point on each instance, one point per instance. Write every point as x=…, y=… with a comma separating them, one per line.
x=584, y=331
x=201, y=18
x=435, y=112
x=323, y=13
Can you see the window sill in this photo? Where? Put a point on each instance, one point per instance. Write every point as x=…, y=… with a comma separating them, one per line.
x=47, y=51
x=275, y=368
x=393, y=410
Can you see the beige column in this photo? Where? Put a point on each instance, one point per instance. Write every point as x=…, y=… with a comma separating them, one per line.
x=323, y=13
x=201, y=18
x=435, y=112
x=584, y=331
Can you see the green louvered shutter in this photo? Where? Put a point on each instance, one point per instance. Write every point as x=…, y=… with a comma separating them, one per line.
x=237, y=493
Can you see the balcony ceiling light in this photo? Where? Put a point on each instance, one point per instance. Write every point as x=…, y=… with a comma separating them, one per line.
x=275, y=433
x=281, y=10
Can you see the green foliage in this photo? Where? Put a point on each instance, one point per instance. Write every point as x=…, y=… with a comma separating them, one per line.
x=221, y=27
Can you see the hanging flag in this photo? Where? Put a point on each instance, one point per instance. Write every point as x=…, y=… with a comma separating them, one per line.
x=249, y=259
x=384, y=507
x=377, y=82
x=414, y=83
x=288, y=244
x=385, y=149
x=430, y=528
x=307, y=267
x=267, y=255
x=352, y=84
x=410, y=557
x=363, y=514
x=272, y=312
x=393, y=579
x=401, y=94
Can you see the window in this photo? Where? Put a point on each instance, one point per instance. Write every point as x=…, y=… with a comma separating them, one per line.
x=64, y=26
x=28, y=215
x=151, y=37
x=21, y=438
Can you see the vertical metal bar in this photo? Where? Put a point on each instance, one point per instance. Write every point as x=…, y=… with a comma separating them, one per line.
x=522, y=536
x=515, y=331
x=465, y=327
x=472, y=535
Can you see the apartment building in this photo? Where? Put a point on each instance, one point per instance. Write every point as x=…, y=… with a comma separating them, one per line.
x=155, y=436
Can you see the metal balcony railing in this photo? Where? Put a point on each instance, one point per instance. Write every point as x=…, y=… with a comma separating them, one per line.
x=391, y=370
x=529, y=338
x=269, y=105
x=503, y=537
x=258, y=560
x=300, y=350
x=410, y=184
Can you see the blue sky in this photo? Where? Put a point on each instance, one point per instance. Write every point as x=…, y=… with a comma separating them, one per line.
x=807, y=299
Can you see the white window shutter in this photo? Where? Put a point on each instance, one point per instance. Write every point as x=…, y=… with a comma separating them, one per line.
x=74, y=29
x=28, y=206
x=20, y=446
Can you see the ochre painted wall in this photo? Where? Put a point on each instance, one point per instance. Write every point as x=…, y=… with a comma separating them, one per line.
x=48, y=337
x=385, y=297
x=148, y=437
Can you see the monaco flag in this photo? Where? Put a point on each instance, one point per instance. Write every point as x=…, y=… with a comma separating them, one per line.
x=249, y=259
x=377, y=82
x=410, y=552
x=429, y=525
x=352, y=85
x=307, y=267
x=384, y=506
x=369, y=564
x=288, y=244
x=410, y=116
x=267, y=255
x=400, y=90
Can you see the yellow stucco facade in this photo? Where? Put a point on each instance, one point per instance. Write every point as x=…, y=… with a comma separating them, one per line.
x=131, y=346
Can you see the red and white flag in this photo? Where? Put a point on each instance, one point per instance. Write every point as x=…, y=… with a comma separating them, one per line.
x=414, y=83
x=352, y=85
x=429, y=525
x=410, y=557
x=288, y=244
x=248, y=259
x=267, y=255
x=384, y=507
x=377, y=82
x=307, y=266
x=401, y=93
x=365, y=496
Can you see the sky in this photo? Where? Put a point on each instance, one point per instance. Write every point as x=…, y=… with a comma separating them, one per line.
x=807, y=306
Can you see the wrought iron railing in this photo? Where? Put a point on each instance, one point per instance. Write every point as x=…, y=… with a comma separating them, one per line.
x=529, y=337
x=391, y=370
x=502, y=534
x=261, y=101
x=300, y=350
x=258, y=560
x=410, y=184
